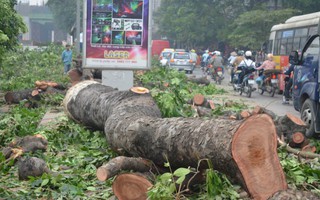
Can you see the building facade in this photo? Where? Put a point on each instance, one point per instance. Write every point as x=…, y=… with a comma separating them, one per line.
x=40, y=24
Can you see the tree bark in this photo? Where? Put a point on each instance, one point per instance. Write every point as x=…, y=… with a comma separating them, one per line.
x=245, y=150
x=116, y=165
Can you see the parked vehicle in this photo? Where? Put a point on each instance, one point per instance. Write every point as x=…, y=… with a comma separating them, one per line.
x=165, y=56
x=270, y=84
x=182, y=61
x=158, y=46
x=247, y=83
x=306, y=81
x=217, y=75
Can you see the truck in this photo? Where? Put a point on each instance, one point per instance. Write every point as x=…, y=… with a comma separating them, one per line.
x=158, y=46
x=306, y=82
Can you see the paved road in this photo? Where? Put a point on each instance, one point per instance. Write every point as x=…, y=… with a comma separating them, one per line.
x=271, y=103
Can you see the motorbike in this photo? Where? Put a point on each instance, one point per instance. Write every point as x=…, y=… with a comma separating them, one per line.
x=247, y=83
x=270, y=81
x=217, y=74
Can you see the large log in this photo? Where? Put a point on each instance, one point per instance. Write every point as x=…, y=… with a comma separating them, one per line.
x=245, y=150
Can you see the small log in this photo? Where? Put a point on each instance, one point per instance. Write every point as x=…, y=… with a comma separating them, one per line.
x=245, y=114
x=309, y=148
x=198, y=99
x=131, y=187
x=31, y=95
x=30, y=143
x=116, y=165
x=203, y=112
x=201, y=80
x=297, y=139
x=304, y=154
x=290, y=124
x=16, y=97
x=31, y=167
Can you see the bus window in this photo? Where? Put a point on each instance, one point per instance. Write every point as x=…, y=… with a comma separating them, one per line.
x=303, y=40
x=287, y=34
x=300, y=32
x=283, y=47
x=313, y=30
x=296, y=44
x=289, y=46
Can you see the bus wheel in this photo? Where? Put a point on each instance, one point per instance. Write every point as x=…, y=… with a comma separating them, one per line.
x=307, y=115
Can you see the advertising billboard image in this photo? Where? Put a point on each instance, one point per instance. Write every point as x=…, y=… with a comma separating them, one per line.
x=116, y=34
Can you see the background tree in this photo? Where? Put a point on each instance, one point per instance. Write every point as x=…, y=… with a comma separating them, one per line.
x=11, y=25
x=241, y=23
x=64, y=13
x=252, y=29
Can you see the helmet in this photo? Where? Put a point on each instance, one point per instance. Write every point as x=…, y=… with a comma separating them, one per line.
x=207, y=51
x=193, y=51
x=248, y=53
x=218, y=53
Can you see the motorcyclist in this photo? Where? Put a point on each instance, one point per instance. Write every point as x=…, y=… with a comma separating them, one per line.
x=235, y=63
x=288, y=80
x=217, y=61
x=266, y=65
x=205, y=57
x=245, y=64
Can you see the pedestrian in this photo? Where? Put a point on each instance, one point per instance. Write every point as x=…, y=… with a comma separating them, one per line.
x=66, y=58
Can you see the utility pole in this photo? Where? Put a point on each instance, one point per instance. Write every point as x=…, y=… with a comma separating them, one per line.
x=78, y=26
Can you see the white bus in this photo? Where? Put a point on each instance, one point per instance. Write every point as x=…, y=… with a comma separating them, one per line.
x=293, y=33
x=290, y=36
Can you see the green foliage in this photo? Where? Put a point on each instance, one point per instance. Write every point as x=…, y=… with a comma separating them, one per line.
x=169, y=185
x=22, y=68
x=11, y=25
x=304, y=175
x=204, y=23
x=172, y=90
x=252, y=28
x=73, y=154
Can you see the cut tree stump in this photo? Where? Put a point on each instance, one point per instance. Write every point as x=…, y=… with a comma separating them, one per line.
x=132, y=123
x=131, y=187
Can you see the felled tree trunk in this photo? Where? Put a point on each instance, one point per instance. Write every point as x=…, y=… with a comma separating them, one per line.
x=245, y=150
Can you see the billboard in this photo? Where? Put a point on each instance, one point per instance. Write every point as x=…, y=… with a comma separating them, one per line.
x=117, y=34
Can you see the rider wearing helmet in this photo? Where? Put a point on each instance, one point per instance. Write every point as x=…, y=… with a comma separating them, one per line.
x=193, y=56
x=246, y=63
x=236, y=63
x=217, y=61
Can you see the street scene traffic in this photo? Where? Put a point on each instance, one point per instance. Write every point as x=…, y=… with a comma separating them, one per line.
x=160, y=100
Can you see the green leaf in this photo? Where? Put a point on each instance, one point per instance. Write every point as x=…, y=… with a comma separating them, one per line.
x=181, y=172
x=180, y=179
x=167, y=164
x=166, y=177
x=45, y=182
x=91, y=189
